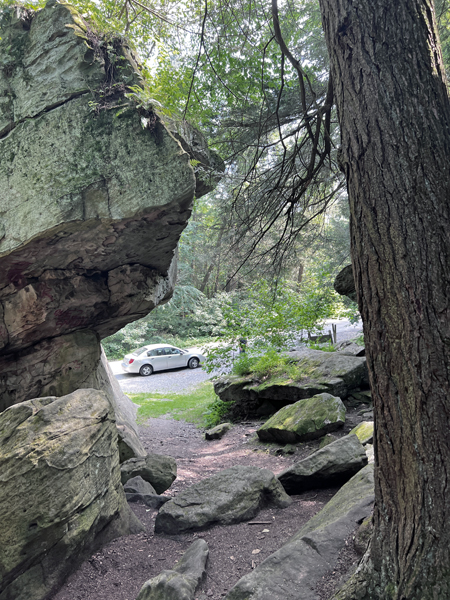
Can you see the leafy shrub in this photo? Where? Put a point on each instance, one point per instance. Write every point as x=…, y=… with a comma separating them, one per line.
x=325, y=347
x=271, y=364
x=217, y=412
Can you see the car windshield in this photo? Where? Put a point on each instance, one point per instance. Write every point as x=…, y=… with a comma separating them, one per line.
x=139, y=351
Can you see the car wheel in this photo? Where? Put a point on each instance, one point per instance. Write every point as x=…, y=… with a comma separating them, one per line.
x=146, y=370
x=193, y=363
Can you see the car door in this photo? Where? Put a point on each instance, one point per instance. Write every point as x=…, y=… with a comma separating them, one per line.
x=158, y=359
x=175, y=359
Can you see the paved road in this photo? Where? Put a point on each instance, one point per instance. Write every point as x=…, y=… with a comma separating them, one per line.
x=179, y=380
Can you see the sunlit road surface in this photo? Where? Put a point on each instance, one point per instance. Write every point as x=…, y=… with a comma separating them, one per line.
x=179, y=380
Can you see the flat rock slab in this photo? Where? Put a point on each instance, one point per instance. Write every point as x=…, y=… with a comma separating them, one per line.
x=160, y=471
x=334, y=464
x=230, y=496
x=180, y=582
x=292, y=572
x=304, y=420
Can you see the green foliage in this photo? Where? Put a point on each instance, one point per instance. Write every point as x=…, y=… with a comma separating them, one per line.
x=217, y=412
x=193, y=406
x=324, y=347
x=272, y=365
x=360, y=340
x=271, y=318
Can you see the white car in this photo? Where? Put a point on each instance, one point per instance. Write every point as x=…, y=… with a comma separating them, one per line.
x=159, y=357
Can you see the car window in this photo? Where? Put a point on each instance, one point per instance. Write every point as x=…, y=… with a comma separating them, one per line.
x=167, y=351
x=152, y=353
x=174, y=351
x=140, y=351
x=160, y=352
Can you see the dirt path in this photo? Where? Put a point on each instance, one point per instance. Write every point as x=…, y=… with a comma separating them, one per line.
x=120, y=569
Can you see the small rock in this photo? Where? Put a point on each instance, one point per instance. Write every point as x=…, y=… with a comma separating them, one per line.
x=160, y=471
x=286, y=450
x=216, y=433
x=138, y=490
x=327, y=439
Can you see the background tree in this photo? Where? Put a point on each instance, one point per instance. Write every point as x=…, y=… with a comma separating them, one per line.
x=394, y=116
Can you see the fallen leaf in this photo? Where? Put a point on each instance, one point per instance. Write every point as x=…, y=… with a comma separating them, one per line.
x=256, y=551
x=265, y=531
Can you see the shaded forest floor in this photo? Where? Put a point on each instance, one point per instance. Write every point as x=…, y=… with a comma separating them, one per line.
x=120, y=569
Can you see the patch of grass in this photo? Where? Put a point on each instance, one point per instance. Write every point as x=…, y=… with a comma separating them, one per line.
x=325, y=347
x=193, y=406
x=274, y=368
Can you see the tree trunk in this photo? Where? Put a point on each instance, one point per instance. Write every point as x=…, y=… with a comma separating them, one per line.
x=394, y=115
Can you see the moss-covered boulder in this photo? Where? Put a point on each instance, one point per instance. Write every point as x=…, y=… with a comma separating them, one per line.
x=60, y=490
x=305, y=420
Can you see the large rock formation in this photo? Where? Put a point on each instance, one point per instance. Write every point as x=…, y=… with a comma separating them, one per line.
x=319, y=372
x=60, y=490
x=93, y=203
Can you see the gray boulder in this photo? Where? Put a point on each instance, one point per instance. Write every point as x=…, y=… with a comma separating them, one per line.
x=351, y=347
x=230, y=496
x=60, y=490
x=160, y=471
x=331, y=372
x=138, y=490
x=344, y=284
x=292, y=572
x=334, y=464
x=217, y=432
x=180, y=582
x=305, y=420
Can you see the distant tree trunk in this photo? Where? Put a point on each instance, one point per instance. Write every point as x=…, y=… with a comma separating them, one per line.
x=301, y=268
x=210, y=268
x=394, y=115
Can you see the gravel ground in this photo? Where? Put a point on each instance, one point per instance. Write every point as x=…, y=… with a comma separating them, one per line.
x=177, y=380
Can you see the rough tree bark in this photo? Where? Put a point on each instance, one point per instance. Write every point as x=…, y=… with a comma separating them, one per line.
x=394, y=115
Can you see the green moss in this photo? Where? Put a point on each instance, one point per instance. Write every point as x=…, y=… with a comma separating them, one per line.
x=364, y=431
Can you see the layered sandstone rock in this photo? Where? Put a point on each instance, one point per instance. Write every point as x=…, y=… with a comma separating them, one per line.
x=60, y=490
x=92, y=202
